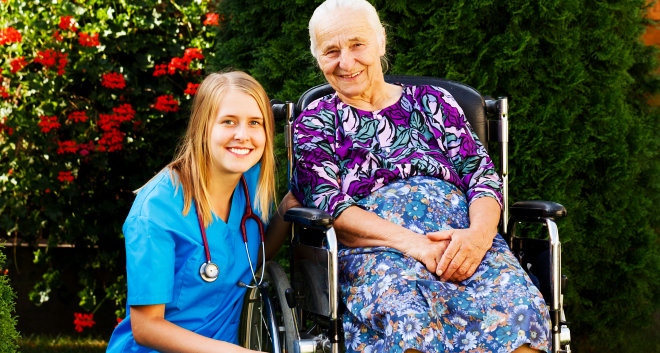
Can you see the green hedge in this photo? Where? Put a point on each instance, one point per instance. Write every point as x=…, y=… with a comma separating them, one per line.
x=582, y=132
x=8, y=333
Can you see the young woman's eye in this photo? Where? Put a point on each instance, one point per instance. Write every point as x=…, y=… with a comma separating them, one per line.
x=227, y=122
x=256, y=123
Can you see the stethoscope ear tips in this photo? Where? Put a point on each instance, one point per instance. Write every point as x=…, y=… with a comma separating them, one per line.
x=209, y=271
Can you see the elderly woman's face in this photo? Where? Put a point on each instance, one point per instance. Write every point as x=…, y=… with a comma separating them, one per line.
x=349, y=53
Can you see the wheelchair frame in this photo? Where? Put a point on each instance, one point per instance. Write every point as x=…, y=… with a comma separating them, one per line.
x=324, y=252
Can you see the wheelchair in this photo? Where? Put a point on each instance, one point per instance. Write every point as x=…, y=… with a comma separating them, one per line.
x=303, y=314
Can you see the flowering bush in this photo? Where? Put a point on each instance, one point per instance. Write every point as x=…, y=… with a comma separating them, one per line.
x=92, y=97
x=8, y=333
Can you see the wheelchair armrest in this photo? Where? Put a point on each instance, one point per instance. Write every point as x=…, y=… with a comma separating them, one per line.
x=311, y=217
x=536, y=211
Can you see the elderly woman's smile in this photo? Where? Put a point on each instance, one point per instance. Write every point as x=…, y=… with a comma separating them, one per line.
x=348, y=49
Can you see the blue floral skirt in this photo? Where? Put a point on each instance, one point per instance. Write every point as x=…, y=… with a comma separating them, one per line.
x=394, y=303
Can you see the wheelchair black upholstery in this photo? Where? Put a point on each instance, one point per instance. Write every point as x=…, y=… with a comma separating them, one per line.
x=540, y=257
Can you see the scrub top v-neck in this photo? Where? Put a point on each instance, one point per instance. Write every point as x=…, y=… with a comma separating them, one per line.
x=164, y=250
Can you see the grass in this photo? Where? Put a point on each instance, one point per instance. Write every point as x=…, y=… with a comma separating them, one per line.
x=61, y=344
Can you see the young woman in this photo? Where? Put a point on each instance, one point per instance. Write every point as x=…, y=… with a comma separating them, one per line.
x=187, y=259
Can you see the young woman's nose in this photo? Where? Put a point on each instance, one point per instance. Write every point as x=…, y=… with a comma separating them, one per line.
x=240, y=133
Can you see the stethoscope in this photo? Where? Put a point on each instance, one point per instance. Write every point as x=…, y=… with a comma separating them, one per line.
x=209, y=271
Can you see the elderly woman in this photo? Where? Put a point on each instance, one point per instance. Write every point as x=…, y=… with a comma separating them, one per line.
x=416, y=201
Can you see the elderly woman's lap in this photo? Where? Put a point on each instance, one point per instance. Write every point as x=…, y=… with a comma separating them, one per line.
x=395, y=303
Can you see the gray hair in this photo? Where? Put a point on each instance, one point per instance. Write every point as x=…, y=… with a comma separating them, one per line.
x=329, y=6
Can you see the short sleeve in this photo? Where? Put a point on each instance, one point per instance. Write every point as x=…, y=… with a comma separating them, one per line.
x=467, y=154
x=316, y=173
x=149, y=262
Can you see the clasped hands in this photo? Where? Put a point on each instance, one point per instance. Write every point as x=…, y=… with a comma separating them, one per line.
x=452, y=254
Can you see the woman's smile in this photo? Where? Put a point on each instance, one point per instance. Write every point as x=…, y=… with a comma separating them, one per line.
x=240, y=150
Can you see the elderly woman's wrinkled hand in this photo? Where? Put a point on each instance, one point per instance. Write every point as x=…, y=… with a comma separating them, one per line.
x=463, y=255
x=429, y=251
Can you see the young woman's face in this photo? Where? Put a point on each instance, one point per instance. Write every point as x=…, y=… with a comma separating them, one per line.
x=237, y=135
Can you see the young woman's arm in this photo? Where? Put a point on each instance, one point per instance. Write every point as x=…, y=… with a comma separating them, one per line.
x=277, y=228
x=150, y=329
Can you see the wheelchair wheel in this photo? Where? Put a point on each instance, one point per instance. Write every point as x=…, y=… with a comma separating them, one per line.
x=254, y=330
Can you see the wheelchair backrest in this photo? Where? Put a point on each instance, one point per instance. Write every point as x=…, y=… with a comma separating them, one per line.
x=468, y=98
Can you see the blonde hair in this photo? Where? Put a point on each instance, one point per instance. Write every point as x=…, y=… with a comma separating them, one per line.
x=192, y=162
x=330, y=6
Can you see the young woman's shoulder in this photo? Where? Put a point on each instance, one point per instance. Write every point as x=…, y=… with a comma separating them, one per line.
x=162, y=195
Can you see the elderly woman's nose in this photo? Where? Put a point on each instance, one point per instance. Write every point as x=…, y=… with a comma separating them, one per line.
x=346, y=59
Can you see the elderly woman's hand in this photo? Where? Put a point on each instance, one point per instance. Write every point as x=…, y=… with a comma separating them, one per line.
x=464, y=253
x=428, y=250
x=468, y=246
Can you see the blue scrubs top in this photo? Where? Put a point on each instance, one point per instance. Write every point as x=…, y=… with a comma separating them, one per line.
x=164, y=251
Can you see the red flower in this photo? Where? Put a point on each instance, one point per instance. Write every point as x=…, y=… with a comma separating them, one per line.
x=125, y=112
x=177, y=63
x=167, y=103
x=49, y=58
x=83, y=320
x=6, y=128
x=17, y=64
x=48, y=123
x=78, y=116
x=9, y=35
x=113, y=80
x=67, y=147
x=58, y=37
x=88, y=40
x=85, y=148
x=112, y=138
x=3, y=92
x=67, y=22
x=111, y=141
x=160, y=69
x=212, y=19
x=191, y=89
x=192, y=53
x=67, y=177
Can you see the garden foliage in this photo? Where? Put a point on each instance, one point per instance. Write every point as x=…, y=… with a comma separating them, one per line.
x=94, y=97
x=8, y=333
x=582, y=131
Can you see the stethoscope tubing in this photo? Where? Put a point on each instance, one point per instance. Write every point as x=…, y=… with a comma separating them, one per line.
x=247, y=215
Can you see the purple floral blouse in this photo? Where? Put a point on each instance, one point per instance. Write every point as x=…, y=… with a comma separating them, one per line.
x=343, y=154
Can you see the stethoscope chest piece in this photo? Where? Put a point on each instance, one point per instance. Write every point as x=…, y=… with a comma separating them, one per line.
x=209, y=271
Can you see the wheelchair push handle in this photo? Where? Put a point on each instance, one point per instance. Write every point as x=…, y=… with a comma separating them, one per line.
x=311, y=217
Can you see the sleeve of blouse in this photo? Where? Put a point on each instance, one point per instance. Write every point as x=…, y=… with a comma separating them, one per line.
x=467, y=154
x=315, y=176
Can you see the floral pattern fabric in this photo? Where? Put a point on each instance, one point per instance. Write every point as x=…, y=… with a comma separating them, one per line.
x=343, y=154
x=394, y=303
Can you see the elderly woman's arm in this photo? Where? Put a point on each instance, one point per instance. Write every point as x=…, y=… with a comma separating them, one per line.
x=359, y=228
x=477, y=173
